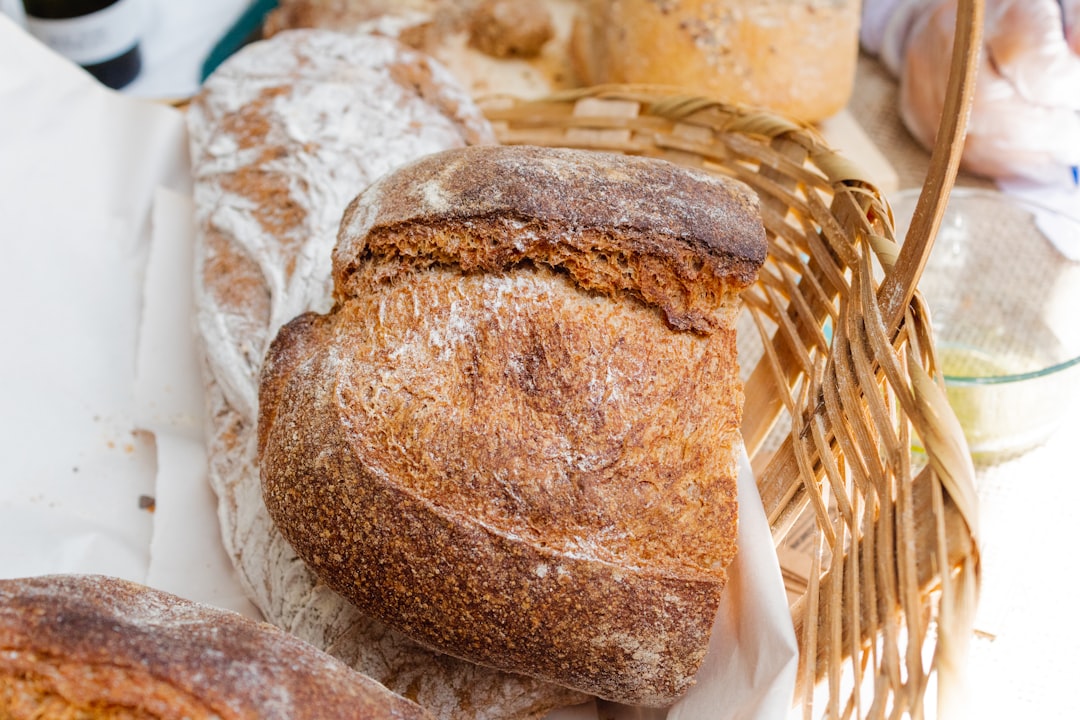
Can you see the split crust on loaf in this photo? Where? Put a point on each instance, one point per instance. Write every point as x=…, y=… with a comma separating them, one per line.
x=676, y=238
x=513, y=437
x=90, y=646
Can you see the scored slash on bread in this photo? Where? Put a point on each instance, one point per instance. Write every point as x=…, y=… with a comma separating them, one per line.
x=513, y=437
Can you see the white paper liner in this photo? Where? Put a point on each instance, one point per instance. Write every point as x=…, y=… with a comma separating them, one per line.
x=78, y=170
x=186, y=553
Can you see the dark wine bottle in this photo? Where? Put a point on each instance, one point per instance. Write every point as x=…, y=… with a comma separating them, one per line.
x=100, y=35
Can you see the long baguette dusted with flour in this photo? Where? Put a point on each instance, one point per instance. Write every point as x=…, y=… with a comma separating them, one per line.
x=283, y=136
x=513, y=438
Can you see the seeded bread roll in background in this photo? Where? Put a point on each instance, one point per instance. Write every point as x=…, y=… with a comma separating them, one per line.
x=513, y=437
x=90, y=646
x=795, y=57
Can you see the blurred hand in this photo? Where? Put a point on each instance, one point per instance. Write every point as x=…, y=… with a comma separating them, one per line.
x=1025, y=117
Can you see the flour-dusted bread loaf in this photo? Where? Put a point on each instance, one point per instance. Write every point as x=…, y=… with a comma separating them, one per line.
x=513, y=437
x=283, y=136
x=492, y=47
x=90, y=646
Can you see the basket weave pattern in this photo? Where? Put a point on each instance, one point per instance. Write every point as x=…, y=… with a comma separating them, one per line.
x=837, y=394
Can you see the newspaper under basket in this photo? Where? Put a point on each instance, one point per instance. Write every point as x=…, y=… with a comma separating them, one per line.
x=842, y=375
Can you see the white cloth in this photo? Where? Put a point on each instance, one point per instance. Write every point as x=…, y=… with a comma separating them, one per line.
x=1025, y=116
x=886, y=27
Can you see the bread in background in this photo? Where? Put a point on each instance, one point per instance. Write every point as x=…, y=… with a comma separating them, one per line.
x=795, y=57
x=515, y=47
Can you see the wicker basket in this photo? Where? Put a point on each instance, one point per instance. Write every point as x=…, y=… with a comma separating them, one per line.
x=843, y=384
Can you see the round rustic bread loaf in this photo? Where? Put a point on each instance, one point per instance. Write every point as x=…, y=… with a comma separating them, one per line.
x=513, y=437
x=90, y=646
x=795, y=57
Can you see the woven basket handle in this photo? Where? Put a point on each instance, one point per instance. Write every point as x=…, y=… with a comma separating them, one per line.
x=894, y=296
x=896, y=291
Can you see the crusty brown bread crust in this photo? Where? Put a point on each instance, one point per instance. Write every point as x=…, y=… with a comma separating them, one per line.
x=681, y=246
x=793, y=57
x=90, y=646
x=513, y=438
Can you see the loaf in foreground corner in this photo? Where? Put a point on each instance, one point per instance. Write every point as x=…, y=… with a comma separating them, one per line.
x=93, y=646
x=514, y=436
